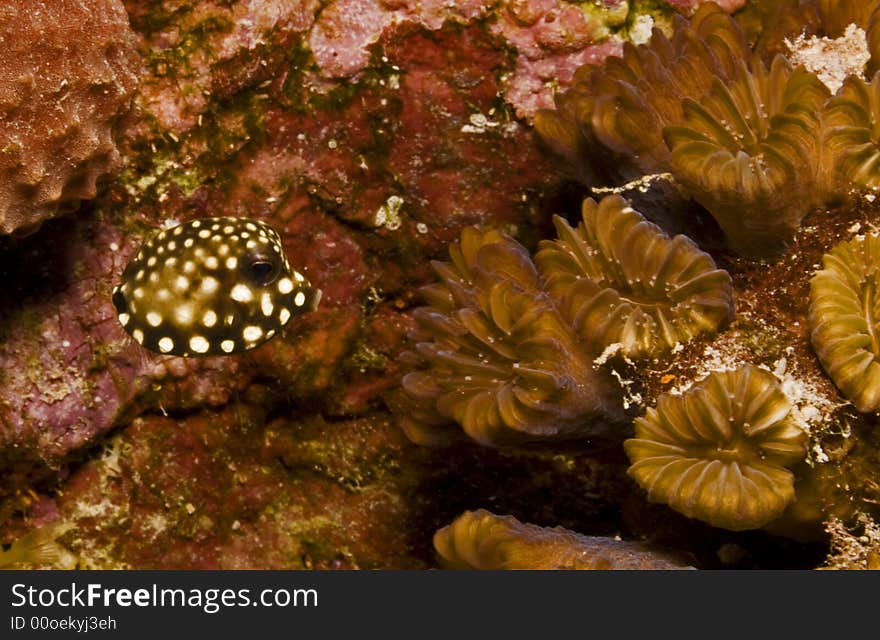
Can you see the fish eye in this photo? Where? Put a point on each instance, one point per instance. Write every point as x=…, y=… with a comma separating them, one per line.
x=262, y=270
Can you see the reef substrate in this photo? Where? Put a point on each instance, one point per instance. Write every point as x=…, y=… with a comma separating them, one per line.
x=369, y=145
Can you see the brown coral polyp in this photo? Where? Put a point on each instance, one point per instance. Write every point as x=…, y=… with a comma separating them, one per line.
x=749, y=152
x=845, y=319
x=720, y=451
x=482, y=540
x=853, y=131
x=68, y=69
x=624, y=104
x=494, y=355
x=621, y=280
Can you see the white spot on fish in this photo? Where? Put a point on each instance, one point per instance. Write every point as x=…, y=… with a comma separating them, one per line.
x=299, y=299
x=252, y=333
x=184, y=314
x=266, y=304
x=199, y=344
x=241, y=293
x=284, y=315
x=209, y=319
x=154, y=319
x=166, y=344
x=228, y=346
x=210, y=285
x=285, y=286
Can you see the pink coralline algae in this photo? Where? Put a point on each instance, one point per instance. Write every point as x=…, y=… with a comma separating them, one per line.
x=56, y=327
x=324, y=171
x=550, y=39
x=68, y=70
x=345, y=28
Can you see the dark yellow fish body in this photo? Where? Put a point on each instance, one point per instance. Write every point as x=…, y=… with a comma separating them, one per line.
x=211, y=286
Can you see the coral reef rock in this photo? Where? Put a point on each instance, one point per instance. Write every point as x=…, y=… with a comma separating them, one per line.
x=68, y=70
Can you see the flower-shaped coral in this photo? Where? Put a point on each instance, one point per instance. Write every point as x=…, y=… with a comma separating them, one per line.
x=494, y=355
x=845, y=319
x=482, y=540
x=719, y=452
x=626, y=103
x=621, y=280
x=853, y=130
x=749, y=153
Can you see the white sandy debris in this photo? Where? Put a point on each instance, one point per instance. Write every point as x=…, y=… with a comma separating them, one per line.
x=608, y=353
x=478, y=123
x=640, y=32
x=811, y=408
x=630, y=398
x=388, y=215
x=642, y=184
x=832, y=59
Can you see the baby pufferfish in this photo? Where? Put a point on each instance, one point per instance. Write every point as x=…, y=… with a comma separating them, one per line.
x=211, y=286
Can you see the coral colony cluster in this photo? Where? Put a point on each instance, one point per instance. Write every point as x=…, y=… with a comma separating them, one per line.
x=685, y=374
x=759, y=143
